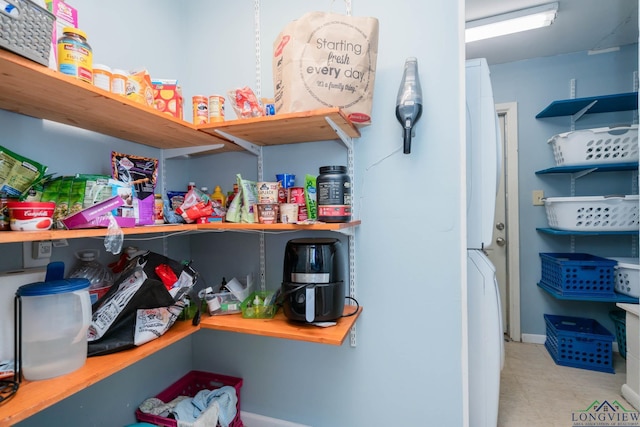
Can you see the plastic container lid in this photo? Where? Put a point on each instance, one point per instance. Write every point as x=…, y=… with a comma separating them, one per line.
x=101, y=67
x=75, y=31
x=53, y=287
x=120, y=72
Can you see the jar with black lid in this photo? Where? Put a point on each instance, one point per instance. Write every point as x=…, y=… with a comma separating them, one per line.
x=334, y=194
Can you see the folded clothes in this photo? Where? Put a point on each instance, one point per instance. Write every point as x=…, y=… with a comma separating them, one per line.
x=225, y=398
x=155, y=406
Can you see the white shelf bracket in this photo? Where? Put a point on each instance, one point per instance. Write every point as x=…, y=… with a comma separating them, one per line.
x=582, y=112
x=346, y=139
x=249, y=146
x=582, y=173
x=172, y=153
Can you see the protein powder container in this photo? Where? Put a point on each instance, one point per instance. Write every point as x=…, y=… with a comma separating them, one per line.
x=75, y=57
x=334, y=194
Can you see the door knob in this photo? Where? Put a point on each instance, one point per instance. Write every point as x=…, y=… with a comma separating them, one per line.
x=500, y=241
x=500, y=226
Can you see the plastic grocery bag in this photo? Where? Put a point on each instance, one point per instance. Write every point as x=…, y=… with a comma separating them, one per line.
x=325, y=60
x=141, y=305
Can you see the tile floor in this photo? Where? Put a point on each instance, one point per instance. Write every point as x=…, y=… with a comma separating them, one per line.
x=535, y=392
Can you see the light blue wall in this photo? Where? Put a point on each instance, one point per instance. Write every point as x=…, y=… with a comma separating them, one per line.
x=407, y=366
x=534, y=84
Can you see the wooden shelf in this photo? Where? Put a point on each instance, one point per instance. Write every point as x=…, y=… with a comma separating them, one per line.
x=320, y=226
x=31, y=236
x=286, y=128
x=34, y=90
x=31, y=89
x=34, y=396
x=280, y=327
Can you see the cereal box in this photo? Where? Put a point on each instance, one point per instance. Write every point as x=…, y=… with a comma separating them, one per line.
x=167, y=97
x=66, y=16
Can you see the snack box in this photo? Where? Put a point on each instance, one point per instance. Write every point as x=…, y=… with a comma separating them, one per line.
x=96, y=216
x=167, y=97
x=66, y=16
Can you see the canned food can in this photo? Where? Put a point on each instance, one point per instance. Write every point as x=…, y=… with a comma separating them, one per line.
x=296, y=195
x=200, y=110
x=216, y=108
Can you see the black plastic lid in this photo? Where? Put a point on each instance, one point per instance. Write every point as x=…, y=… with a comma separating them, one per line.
x=333, y=169
x=53, y=287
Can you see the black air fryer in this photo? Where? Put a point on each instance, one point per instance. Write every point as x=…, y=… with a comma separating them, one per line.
x=313, y=283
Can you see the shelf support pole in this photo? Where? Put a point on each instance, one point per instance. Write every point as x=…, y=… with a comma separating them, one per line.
x=348, y=142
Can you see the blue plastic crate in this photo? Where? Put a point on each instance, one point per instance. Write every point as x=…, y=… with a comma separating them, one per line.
x=579, y=342
x=579, y=274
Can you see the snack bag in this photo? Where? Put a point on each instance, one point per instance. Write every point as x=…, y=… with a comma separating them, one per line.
x=245, y=103
x=141, y=174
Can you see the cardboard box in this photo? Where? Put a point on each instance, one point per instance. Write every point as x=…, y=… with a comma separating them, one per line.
x=96, y=216
x=66, y=16
x=167, y=97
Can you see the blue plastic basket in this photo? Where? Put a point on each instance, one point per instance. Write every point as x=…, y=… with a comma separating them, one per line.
x=579, y=274
x=579, y=343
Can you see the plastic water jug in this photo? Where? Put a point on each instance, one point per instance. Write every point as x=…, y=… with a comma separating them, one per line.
x=52, y=322
x=99, y=276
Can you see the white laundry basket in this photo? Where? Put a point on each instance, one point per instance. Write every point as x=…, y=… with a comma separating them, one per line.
x=596, y=146
x=593, y=213
x=627, y=276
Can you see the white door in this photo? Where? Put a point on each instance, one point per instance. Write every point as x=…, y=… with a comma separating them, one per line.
x=497, y=250
x=504, y=251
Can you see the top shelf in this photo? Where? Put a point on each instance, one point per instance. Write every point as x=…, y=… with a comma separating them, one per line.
x=601, y=104
x=31, y=89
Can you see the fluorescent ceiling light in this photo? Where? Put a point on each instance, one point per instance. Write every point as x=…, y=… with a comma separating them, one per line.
x=511, y=22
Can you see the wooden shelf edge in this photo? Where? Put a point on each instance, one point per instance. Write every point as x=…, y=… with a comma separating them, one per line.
x=35, y=90
x=279, y=226
x=31, y=236
x=280, y=327
x=34, y=396
x=276, y=130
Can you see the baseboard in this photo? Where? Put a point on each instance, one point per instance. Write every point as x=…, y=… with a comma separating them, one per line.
x=256, y=420
x=539, y=339
x=533, y=338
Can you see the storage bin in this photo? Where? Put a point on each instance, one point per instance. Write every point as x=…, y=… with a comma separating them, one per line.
x=593, y=213
x=617, y=144
x=578, y=274
x=259, y=305
x=27, y=30
x=190, y=385
x=579, y=343
x=627, y=276
x=618, y=317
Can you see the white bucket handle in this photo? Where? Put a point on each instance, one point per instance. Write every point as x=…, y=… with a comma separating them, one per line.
x=85, y=302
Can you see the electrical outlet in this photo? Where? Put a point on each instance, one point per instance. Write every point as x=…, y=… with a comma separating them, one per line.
x=36, y=254
x=538, y=196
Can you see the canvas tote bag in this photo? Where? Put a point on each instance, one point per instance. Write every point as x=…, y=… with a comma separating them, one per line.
x=326, y=59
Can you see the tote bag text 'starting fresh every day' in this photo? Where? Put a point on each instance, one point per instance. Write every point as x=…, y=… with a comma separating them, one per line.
x=326, y=60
